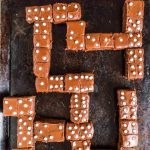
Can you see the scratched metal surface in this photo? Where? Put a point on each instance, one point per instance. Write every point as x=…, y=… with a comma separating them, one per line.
x=108, y=67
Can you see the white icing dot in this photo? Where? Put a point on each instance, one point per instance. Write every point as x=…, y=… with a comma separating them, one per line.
x=10, y=107
x=25, y=105
x=40, y=68
x=76, y=6
x=82, y=23
x=64, y=7
x=72, y=32
x=130, y=3
x=42, y=83
x=76, y=42
x=125, y=125
x=70, y=37
x=49, y=17
x=88, y=37
x=45, y=126
x=29, y=10
x=57, y=17
x=63, y=16
x=36, y=18
x=93, y=39
x=106, y=39
x=70, y=88
x=132, y=67
x=130, y=20
x=6, y=102
x=121, y=39
x=35, y=9
x=45, y=139
x=134, y=25
x=42, y=9
x=44, y=57
x=58, y=8
x=70, y=128
x=138, y=22
x=139, y=13
x=70, y=16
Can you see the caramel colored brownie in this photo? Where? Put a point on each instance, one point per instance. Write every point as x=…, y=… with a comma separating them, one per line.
x=41, y=69
x=41, y=55
x=79, y=132
x=129, y=141
x=135, y=40
x=79, y=115
x=19, y=106
x=79, y=83
x=106, y=41
x=56, y=84
x=120, y=41
x=133, y=15
x=134, y=64
x=79, y=104
x=49, y=131
x=25, y=132
x=43, y=27
x=128, y=113
x=127, y=97
x=75, y=35
x=92, y=41
x=42, y=84
x=79, y=101
x=39, y=13
x=128, y=127
x=74, y=11
x=42, y=40
x=60, y=11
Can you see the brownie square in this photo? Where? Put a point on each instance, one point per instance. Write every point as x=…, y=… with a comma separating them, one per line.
x=79, y=101
x=106, y=41
x=128, y=113
x=10, y=106
x=129, y=141
x=133, y=15
x=60, y=12
x=134, y=64
x=127, y=97
x=41, y=55
x=79, y=115
x=41, y=84
x=56, y=83
x=43, y=27
x=128, y=127
x=77, y=132
x=41, y=69
x=74, y=11
x=120, y=41
x=46, y=13
x=49, y=131
x=92, y=41
x=40, y=40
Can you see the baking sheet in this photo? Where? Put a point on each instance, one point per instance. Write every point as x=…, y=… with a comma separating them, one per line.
x=108, y=66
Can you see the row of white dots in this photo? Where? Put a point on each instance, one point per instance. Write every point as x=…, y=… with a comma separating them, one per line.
x=85, y=143
x=38, y=9
x=82, y=89
x=81, y=77
x=76, y=136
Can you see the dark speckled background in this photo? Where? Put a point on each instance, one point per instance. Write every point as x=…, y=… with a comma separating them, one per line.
x=108, y=67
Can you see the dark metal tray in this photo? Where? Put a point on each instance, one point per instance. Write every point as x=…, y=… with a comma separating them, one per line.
x=108, y=67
